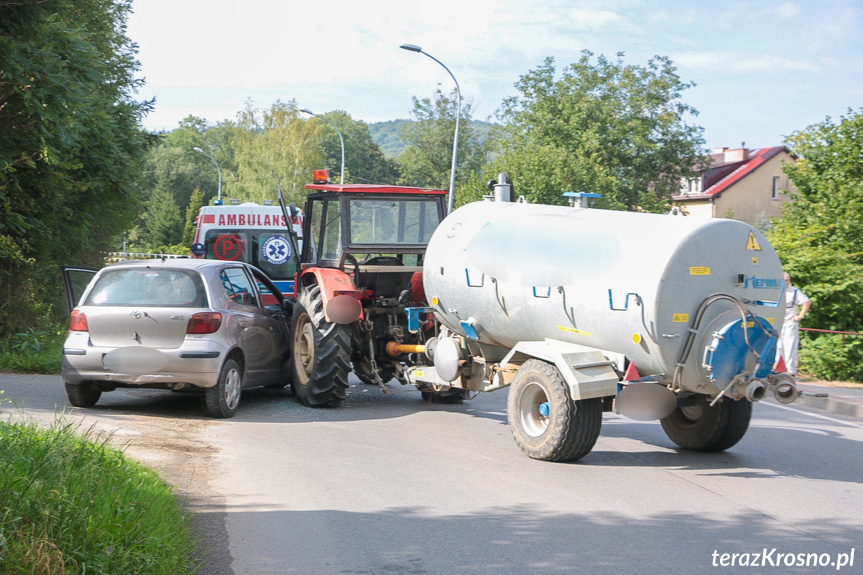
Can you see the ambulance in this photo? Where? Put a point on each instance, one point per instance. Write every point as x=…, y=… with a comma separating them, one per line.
x=252, y=233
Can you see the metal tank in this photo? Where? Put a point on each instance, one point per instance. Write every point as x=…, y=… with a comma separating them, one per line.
x=692, y=303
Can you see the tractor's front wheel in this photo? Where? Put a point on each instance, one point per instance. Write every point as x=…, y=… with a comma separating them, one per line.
x=322, y=353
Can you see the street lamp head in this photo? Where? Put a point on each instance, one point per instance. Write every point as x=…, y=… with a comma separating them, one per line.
x=307, y=111
x=197, y=149
x=411, y=47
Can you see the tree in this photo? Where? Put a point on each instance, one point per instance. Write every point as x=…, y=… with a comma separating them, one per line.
x=364, y=161
x=428, y=159
x=275, y=147
x=162, y=224
x=820, y=241
x=71, y=148
x=602, y=126
x=196, y=202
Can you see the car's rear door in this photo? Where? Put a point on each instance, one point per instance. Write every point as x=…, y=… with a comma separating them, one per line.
x=75, y=282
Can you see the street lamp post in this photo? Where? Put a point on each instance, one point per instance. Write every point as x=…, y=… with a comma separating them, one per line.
x=219, y=195
x=342, y=140
x=413, y=48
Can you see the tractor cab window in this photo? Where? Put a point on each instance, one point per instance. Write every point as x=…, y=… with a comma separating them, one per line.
x=325, y=231
x=393, y=221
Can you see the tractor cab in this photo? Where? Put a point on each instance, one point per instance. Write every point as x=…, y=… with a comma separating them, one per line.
x=366, y=230
x=361, y=271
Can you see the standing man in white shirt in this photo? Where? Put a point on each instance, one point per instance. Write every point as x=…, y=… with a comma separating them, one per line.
x=796, y=307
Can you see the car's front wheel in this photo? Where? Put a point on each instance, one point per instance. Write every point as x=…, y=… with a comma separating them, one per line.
x=84, y=394
x=223, y=399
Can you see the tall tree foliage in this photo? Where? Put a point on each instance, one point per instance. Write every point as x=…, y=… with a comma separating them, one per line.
x=428, y=159
x=71, y=147
x=275, y=147
x=364, y=161
x=820, y=240
x=601, y=126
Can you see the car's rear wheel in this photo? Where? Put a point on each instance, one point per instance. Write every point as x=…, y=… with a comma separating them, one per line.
x=84, y=394
x=223, y=399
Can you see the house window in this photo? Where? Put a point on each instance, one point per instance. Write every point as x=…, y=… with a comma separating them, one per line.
x=691, y=186
x=775, y=193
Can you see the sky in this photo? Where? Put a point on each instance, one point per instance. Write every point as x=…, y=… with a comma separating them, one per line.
x=762, y=70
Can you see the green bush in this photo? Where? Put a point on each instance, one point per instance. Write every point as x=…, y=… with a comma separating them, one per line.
x=33, y=351
x=69, y=503
x=828, y=357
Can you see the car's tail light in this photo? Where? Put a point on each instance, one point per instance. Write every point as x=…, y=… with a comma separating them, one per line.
x=204, y=322
x=78, y=321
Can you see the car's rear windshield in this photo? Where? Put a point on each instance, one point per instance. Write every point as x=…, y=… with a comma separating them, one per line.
x=147, y=287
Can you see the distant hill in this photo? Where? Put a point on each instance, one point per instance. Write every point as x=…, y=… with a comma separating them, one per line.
x=387, y=135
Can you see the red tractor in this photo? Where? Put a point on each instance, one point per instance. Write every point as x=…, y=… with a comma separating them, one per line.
x=360, y=280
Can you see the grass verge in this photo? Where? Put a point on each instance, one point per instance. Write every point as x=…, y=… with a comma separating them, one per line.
x=33, y=351
x=71, y=504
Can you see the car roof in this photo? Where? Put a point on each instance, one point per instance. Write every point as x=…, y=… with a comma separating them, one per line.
x=182, y=263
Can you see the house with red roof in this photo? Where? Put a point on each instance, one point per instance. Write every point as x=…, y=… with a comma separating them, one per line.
x=741, y=184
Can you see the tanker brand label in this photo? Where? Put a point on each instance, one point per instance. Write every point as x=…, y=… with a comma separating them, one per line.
x=762, y=283
x=575, y=331
x=258, y=220
x=699, y=271
x=680, y=318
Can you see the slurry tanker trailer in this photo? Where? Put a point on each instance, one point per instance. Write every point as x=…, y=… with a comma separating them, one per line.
x=582, y=311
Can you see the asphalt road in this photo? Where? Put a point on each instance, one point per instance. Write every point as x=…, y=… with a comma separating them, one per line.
x=389, y=484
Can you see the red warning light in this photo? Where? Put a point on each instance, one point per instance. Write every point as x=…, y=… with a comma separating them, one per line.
x=321, y=177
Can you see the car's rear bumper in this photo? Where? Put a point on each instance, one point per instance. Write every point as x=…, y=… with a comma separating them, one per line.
x=197, y=362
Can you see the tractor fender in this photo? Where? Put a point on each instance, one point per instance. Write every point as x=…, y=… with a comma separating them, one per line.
x=339, y=295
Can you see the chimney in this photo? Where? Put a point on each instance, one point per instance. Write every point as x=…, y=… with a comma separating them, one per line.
x=732, y=156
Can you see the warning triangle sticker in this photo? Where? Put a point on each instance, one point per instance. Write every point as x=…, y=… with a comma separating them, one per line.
x=752, y=244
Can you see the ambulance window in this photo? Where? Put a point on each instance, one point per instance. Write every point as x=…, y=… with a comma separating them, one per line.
x=274, y=254
x=228, y=245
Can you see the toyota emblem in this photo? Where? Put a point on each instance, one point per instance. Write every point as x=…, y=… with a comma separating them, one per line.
x=136, y=315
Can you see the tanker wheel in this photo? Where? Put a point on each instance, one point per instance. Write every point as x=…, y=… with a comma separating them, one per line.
x=322, y=353
x=544, y=421
x=700, y=427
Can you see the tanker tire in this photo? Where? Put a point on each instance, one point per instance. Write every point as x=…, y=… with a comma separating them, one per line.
x=84, y=394
x=322, y=353
x=570, y=429
x=705, y=428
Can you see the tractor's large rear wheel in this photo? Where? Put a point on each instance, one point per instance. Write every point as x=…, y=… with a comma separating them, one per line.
x=545, y=422
x=699, y=427
x=322, y=353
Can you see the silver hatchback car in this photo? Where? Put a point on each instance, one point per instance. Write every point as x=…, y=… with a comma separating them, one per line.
x=175, y=324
